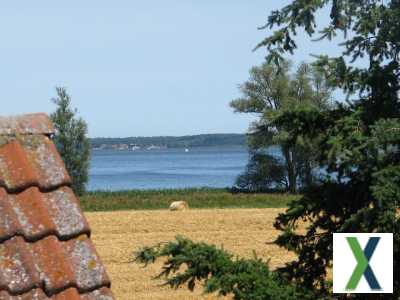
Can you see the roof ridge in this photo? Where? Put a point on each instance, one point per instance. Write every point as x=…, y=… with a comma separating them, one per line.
x=27, y=124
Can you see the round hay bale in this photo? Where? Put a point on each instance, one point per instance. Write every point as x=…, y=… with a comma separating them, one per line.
x=178, y=205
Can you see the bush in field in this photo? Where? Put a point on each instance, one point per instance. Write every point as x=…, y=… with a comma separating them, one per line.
x=219, y=271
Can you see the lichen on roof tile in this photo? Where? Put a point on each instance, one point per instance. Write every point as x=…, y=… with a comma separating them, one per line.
x=68, y=294
x=100, y=294
x=65, y=212
x=55, y=270
x=31, y=160
x=15, y=169
x=87, y=266
x=8, y=221
x=35, y=294
x=17, y=272
x=26, y=124
x=46, y=161
x=45, y=247
x=32, y=214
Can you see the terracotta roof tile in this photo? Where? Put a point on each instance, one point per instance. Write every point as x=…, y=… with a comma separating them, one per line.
x=73, y=263
x=26, y=124
x=15, y=170
x=24, y=214
x=66, y=213
x=68, y=294
x=35, y=294
x=100, y=294
x=18, y=272
x=45, y=246
x=33, y=214
x=86, y=265
x=31, y=160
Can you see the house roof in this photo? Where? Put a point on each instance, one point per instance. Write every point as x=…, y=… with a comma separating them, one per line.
x=45, y=246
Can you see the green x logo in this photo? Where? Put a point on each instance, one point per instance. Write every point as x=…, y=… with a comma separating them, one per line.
x=363, y=268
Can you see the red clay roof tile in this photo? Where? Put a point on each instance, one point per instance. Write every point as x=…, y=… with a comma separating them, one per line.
x=18, y=271
x=64, y=210
x=86, y=264
x=15, y=170
x=35, y=294
x=33, y=214
x=55, y=271
x=31, y=160
x=100, y=294
x=50, y=264
x=26, y=124
x=45, y=246
x=9, y=225
x=68, y=294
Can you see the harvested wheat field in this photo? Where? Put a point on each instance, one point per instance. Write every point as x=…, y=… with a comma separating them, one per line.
x=118, y=234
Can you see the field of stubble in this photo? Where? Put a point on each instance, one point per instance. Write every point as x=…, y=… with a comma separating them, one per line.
x=117, y=234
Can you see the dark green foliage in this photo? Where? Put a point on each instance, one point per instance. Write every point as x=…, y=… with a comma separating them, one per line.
x=359, y=142
x=362, y=197
x=263, y=172
x=71, y=140
x=219, y=271
x=269, y=92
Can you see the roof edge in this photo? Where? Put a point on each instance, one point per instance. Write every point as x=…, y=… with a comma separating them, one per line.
x=27, y=124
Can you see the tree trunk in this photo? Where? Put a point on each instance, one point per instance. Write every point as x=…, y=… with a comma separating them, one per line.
x=290, y=166
x=308, y=175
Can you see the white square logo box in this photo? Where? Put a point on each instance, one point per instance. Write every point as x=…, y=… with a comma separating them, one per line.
x=362, y=263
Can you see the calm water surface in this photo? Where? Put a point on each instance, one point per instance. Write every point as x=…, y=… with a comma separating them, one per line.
x=166, y=168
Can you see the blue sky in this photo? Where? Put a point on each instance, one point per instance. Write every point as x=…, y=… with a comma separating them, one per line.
x=135, y=68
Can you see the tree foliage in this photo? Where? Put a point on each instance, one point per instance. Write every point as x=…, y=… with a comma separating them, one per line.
x=190, y=263
x=269, y=91
x=358, y=141
x=71, y=140
x=263, y=172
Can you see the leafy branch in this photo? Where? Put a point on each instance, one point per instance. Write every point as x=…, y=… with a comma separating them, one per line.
x=190, y=263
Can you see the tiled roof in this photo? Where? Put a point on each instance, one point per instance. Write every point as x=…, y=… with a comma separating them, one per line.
x=45, y=246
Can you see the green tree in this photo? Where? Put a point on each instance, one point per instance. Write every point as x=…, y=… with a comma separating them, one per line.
x=269, y=91
x=263, y=173
x=358, y=141
x=71, y=140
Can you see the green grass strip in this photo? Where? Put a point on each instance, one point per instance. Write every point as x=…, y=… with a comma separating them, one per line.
x=196, y=198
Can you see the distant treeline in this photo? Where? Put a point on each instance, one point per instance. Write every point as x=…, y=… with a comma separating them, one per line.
x=201, y=140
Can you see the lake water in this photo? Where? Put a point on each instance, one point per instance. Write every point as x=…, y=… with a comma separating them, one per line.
x=166, y=168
